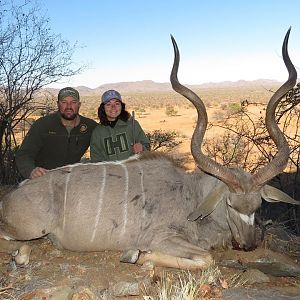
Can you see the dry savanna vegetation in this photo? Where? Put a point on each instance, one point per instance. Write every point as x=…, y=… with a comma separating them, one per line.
x=232, y=111
x=169, y=111
x=236, y=134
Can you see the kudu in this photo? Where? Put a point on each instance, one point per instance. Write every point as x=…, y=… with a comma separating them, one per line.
x=147, y=206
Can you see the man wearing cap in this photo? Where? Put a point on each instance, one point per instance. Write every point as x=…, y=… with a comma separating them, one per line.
x=119, y=135
x=58, y=139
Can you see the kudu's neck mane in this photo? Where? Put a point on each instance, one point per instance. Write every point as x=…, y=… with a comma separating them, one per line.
x=154, y=155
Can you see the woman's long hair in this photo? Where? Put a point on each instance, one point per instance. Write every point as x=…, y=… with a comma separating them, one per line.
x=124, y=115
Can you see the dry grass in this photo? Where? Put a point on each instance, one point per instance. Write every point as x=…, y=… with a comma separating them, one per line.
x=185, y=285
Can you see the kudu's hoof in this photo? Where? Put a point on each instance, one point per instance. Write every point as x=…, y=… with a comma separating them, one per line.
x=130, y=256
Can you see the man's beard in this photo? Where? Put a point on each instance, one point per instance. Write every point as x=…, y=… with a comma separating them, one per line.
x=69, y=118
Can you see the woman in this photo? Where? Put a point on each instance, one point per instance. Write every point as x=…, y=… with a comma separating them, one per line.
x=118, y=136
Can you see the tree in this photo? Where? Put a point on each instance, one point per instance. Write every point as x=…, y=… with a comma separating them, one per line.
x=163, y=141
x=288, y=113
x=31, y=57
x=245, y=136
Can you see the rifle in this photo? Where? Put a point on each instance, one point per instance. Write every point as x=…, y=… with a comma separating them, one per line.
x=133, y=125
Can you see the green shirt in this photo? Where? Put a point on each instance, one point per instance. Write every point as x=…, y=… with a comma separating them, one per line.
x=49, y=145
x=111, y=144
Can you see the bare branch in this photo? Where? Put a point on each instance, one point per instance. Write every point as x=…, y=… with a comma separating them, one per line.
x=31, y=57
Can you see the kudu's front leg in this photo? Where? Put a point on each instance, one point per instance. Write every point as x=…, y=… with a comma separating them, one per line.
x=184, y=255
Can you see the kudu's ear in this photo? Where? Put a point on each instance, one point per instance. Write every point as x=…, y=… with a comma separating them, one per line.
x=210, y=202
x=272, y=194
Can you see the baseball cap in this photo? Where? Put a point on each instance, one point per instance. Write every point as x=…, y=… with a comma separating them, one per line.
x=110, y=94
x=68, y=91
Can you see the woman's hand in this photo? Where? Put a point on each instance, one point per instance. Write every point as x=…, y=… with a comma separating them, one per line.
x=137, y=148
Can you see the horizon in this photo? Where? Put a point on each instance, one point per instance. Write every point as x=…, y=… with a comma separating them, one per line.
x=127, y=41
x=226, y=83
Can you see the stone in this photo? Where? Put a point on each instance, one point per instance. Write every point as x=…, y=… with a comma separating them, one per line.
x=253, y=276
x=124, y=288
x=265, y=260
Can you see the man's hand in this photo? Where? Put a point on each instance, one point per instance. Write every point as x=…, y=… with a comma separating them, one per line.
x=38, y=172
x=137, y=148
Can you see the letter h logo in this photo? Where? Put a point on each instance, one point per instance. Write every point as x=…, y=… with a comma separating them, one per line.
x=120, y=142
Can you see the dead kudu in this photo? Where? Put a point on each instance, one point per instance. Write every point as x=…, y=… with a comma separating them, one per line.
x=147, y=206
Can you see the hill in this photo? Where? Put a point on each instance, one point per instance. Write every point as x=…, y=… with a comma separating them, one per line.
x=149, y=86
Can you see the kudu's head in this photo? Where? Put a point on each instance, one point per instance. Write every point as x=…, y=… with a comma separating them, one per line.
x=243, y=191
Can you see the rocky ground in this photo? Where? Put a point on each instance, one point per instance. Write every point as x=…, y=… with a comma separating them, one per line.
x=61, y=275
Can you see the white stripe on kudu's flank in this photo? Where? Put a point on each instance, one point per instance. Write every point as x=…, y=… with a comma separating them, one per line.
x=65, y=198
x=99, y=208
x=125, y=197
x=142, y=190
x=50, y=188
x=50, y=185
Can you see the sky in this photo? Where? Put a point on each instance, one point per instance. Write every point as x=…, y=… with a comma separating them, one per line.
x=219, y=40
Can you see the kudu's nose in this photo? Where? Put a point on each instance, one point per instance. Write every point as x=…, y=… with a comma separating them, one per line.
x=237, y=246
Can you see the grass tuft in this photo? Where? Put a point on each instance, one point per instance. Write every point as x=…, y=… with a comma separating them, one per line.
x=185, y=285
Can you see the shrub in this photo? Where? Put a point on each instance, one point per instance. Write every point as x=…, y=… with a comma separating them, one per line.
x=163, y=140
x=171, y=111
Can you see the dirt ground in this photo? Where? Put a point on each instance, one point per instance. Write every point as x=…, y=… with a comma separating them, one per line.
x=97, y=276
x=50, y=267
x=184, y=123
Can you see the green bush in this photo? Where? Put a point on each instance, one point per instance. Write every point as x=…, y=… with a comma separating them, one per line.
x=235, y=107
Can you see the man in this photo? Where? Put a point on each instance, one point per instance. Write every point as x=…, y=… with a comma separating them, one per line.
x=56, y=140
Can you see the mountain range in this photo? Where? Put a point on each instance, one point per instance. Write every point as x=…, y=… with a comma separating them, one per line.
x=149, y=86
